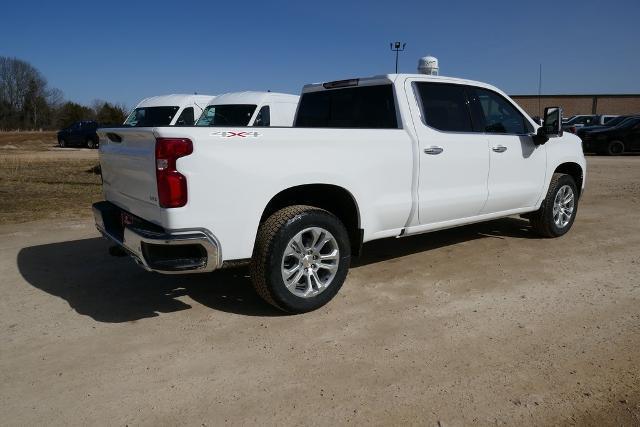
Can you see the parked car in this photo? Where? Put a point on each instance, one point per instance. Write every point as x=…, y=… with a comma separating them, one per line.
x=250, y=109
x=578, y=121
x=614, y=121
x=79, y=134
x=370, y=158
x=604, y=119
x=168, y=110
x=614, y=140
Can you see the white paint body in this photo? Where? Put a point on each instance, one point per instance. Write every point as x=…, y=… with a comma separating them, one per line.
x=399, y=190
x=198, y=102
x=282, y=106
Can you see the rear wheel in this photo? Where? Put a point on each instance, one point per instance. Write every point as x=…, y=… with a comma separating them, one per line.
x=558, y=210
x=62, y=143
x=615, y=148
x=301, y=258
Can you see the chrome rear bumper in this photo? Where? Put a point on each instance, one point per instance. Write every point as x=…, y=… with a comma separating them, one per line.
x=168, y=252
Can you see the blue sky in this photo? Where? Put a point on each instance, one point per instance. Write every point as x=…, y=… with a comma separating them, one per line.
x=124, y=51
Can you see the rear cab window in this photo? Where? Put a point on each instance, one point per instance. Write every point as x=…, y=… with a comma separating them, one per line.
x=364, y=107
x=151, y=116
x=227, y=115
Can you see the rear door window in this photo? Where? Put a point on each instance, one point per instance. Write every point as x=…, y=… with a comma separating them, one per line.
x=445, y=106
x=364, y=107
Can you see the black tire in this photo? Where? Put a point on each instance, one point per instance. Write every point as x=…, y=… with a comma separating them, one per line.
x=615, y=148
x=542, y=220
x=92, y=143
x=62, y=143
x=273, y=237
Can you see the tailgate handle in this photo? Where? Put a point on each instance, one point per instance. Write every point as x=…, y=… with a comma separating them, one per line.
x=114, y=137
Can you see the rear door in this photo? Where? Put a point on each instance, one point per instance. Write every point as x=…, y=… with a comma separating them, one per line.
x=517, y=166
x=453, y=158
x=75, y=133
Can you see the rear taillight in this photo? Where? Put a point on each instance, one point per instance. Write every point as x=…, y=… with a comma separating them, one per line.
x=572, y=129
x=172, y=185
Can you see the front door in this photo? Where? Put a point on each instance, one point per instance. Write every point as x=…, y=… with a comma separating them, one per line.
x=453, y=159
x=517, y=165
x=634, y=138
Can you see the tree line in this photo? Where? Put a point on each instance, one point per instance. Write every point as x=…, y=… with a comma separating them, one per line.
x=28, y=103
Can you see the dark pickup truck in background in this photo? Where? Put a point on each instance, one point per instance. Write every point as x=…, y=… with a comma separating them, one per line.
x=614, y=140
x=79, y=134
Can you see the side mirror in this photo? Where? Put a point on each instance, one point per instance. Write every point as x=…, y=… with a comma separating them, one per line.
x=552, y=123
x=540, y=137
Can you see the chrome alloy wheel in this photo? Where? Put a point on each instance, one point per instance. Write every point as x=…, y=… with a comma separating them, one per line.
x=310, y=262
x=563, y=206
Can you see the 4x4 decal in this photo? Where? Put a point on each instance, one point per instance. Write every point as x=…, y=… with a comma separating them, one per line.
x=240, y=134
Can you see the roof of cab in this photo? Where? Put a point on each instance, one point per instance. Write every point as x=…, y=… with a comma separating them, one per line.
x=176, y=99
x=253, y=97
x=391, y=78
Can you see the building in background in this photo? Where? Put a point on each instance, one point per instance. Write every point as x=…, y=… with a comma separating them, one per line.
x=581, y=104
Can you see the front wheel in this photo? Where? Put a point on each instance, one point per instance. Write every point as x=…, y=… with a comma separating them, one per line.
x=92, y=143
x=62, y=143
x=558, y=210
x=301, y=258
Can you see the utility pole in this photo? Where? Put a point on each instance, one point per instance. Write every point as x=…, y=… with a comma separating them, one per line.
x=539, y=91
x=397, y=47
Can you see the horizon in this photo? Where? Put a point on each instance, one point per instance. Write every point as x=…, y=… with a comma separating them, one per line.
x=129, y=52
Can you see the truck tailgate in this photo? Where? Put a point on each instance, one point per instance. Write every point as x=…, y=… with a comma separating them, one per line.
x=127, y=159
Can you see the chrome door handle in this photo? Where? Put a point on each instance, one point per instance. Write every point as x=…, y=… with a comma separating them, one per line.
x=499, y=148
x=433, y=150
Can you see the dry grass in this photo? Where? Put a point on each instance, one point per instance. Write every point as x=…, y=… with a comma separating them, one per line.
x=37, y=185
x=20, y=142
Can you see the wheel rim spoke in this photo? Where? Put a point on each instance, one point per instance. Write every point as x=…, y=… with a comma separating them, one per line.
x=294, y=282
x=563, y=206
x=310, y=262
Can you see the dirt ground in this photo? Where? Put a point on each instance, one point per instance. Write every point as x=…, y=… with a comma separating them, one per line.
x=485, y=324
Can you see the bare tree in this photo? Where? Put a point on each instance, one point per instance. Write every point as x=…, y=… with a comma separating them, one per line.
x=24, y=94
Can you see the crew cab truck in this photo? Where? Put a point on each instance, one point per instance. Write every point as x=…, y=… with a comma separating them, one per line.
x=168, y=110
x=250, y=109
x=370, y=158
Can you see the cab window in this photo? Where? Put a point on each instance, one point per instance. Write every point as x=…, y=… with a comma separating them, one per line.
x=444, y=106
x=263, y=118
x=186, y=117
x=500, y=116
x=227, y=115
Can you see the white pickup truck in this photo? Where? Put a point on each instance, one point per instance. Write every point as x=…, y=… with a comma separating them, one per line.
x=370, y=158
x=250, y=109
x=168, y=110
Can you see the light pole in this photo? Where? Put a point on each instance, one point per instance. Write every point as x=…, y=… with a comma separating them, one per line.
x=397, y=47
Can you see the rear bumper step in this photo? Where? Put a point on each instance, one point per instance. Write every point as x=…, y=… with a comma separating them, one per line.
x=168, y=252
